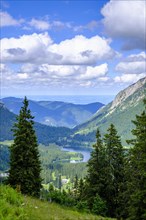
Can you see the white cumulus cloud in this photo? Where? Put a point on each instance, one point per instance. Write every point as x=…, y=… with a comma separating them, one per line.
x=128, y=78
x=27, y=48
x=40, y=24
x=126, y=20
x=82, y=50
x=39, y=48
x=74, y=72
x=22, y=75
x=94, y=72
x=133, y=64
x=132, y=68
x=7, y=20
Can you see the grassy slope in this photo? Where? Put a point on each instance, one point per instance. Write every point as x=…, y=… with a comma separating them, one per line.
x=43, y=211
x=121, y=117
x=13, y=206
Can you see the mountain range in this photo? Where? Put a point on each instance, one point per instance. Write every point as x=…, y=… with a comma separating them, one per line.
x=45, y=134
x=55, y=113
x=121, y=111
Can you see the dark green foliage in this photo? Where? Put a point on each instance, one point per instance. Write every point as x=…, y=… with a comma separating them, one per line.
x=76, y=182
x=61, y=197
x=95, y=179
x=99, y=206
x=59, y=182
x=76, y=186
x=51, y=134
x=114, y=170
x=25, y=166
x=4, y=157
x=82, y=205
x=137, y=167
x=104, y=182
x=81, y=189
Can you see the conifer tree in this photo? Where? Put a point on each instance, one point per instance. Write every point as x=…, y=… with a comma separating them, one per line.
x=25, y=166
x=95, y=176
x=59, y=182
x=81, y=188
x=76, y=186
x=137, y=167
x=114, y=171
x=76, y=182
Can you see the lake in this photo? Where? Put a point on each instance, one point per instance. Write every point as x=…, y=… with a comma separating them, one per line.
x=85, y=153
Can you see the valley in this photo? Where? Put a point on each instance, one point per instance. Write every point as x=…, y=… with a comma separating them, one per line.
x=64, y=152
x=56, y=163
x=55, y=113
x=120, y=112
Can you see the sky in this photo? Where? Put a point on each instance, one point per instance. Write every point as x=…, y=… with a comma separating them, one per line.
x=71, y=47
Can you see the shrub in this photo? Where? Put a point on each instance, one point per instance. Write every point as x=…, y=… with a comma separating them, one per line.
x=99, y=206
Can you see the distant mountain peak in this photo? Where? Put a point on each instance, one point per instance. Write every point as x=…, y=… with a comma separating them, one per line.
x=124, y=94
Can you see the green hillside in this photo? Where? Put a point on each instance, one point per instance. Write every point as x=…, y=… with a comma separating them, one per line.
x=120, y=112
x=45, y=134
x=14, y=206
x=7, y=120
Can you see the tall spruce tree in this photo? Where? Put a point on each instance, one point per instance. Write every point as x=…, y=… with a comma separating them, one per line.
x=114, y=171
x=25, y=166
x=96, y=169
x=137, y=170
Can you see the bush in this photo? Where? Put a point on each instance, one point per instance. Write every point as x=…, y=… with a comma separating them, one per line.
x=61, y=198
x=82, y=206
x=99, y=206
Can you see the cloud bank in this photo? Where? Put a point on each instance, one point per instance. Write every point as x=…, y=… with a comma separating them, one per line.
x=39, y=48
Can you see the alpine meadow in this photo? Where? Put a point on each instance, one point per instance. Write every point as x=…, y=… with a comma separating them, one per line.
x=73, y=110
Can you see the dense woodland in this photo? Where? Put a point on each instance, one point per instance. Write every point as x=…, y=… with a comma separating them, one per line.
x=115, y=182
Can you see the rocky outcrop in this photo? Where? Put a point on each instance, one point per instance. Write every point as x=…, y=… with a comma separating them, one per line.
x=124, y=94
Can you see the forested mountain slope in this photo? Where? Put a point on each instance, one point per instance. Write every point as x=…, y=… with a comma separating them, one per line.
x=45, y=134
x=120, y=112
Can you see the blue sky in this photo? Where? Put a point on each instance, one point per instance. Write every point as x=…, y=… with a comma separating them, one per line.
x=71, y=47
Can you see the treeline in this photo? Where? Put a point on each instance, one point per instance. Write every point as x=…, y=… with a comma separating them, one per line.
x=115, y=184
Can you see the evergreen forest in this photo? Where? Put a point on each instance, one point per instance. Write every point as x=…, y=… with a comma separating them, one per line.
x=113, y=181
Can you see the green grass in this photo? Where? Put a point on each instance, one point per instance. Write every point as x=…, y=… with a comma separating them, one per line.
x=14, y=206
x=39, y=210
x=11, y=205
